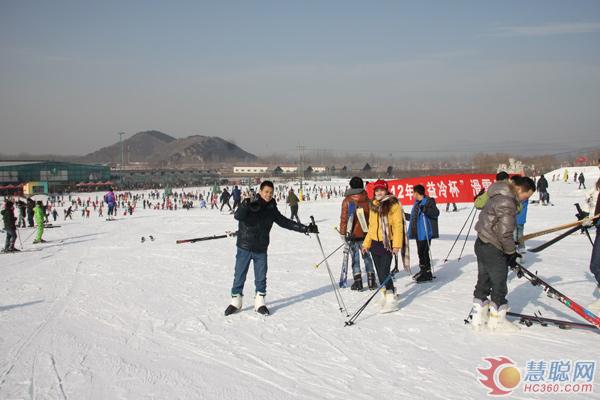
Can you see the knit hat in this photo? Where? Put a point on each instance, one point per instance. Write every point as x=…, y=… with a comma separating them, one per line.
x=380, y=184
x=356, y=183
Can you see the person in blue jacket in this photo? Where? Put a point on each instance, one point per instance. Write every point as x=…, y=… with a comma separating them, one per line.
x=423, y=227
x=520, y=229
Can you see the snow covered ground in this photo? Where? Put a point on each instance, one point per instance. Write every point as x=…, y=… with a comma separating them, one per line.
x=96, y=314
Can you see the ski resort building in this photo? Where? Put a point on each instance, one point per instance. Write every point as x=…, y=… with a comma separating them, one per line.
x=57, y=175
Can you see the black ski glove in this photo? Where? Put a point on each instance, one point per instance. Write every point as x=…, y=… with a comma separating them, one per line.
x=511, y=259
x=311, y=228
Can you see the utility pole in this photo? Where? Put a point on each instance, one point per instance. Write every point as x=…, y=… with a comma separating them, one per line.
x=121, y=142
x=301, y=155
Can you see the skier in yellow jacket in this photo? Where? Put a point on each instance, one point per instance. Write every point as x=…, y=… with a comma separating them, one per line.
x=385, y=239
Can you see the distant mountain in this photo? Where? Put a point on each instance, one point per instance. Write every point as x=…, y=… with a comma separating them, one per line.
x=159, y=148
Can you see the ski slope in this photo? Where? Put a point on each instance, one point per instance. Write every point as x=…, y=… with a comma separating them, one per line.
x=96, y=314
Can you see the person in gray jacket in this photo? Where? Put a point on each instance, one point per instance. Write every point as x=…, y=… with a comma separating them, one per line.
x=496, y=251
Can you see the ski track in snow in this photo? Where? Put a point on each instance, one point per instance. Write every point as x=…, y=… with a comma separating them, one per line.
x=96, y=314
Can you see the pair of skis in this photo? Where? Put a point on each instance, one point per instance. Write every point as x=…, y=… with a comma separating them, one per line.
x=535, y=280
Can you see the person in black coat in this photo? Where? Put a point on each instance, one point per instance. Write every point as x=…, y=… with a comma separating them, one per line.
x=225, y=196
x=256, y=217
x=30, y=207
x=542, y=188
x=9, y=219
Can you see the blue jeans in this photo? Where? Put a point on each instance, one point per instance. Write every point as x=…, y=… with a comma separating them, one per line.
x=519, y=230
x=242, y=264
x=595, y=261
x=356, y=254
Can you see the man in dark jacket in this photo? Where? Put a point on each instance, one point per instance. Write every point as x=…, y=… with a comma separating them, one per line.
x=351, y=230
x=542, y=188
x=30, y=207
x=236, y=193
x=8, y=217
x=423, y=227
x=225, y=199
x=581, y=181
x=256, y=217
x=293, y=201
x=495, y=249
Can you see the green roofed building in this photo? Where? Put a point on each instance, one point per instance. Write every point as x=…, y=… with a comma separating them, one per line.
x=59, y=175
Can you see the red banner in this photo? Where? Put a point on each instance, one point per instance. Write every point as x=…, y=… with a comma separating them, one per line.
x=460, y=188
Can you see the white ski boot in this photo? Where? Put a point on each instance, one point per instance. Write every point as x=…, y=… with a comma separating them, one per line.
x=381, y=300
x=498, y=322
x=259, y=304
x=391, y=302
x=480, y=314
x=235, y=305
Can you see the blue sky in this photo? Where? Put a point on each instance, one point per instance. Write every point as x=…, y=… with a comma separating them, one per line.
x=341, y=75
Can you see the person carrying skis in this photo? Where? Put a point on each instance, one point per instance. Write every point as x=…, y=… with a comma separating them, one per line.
x=385, y=239
x=496, y=251
x=225, y=196
x=111, y=202
x=423, y=227
x=10, y=227
x=255, y=218
x=293, y=201
x=353, y=233
x=39, y=216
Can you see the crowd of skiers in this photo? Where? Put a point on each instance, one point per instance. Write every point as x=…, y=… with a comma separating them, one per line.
x=500, y=227
x=37, y=217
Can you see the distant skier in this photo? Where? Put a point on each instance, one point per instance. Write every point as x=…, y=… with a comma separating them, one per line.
x=496, y=251
x=256, y=216
x=357, y=196
x=423, y=228
x=293, y=201
x=454, y=208
x=39, y=221
x=30, y=207
x=22, y=213
x=581, y=181
x=69, y=212
x=542, y=188
x=566, y=175
x=236, y=193
x=111, y=202
x=9, y=219
x=225, y=196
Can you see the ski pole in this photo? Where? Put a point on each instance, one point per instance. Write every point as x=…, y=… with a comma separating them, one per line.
x=338, y=296
x=330, y=254
x=201, y=239
x=467, y=237
x=459, y=233
x=352, y=319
